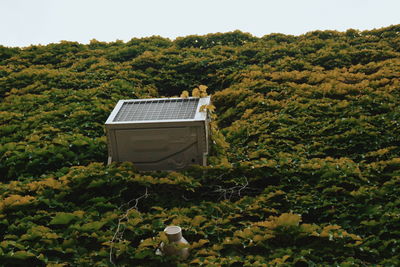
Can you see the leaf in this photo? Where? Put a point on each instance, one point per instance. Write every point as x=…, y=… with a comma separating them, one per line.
x=197, y=260
x=79, y=142
x=185, y=94
x=21, y=255
x=93, y=226
x=199, y=243
x=207, y=252
x=196, y=92
x=279, y=261
x=68, y=243
x=203, y=88
x=62, y=218
x=197, y=220
x=258, y=238
x=96, y=183
x=148, y=242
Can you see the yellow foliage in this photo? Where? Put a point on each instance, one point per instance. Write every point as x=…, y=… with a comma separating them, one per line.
x=185, y=94
x=79, y=213
x=197, y=220
x=56, y=264
x=148, y=242
x=246, y=233
x=196, y=92
x=207, y=252
x=232, y=241
x=34, y=138
x=279, y=261
x=379, y=152
x=133, y=222
x=80, y=113
x=225, y=162
x=15, y=200
x=14, y=186
x=199, y=243
x=336, y=231
x=203, y=90
x=328, y=230
x=210, y=108
x=247, y=113
x=309, y=228
x=217, y=247
x=122, y=246
x=394, y=161
x=258, y=238
x=285, y=220
x=41, y=232
x=41, y=185
x=196, y=261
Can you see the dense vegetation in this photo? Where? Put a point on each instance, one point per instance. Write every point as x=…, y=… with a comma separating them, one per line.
x=305, y=163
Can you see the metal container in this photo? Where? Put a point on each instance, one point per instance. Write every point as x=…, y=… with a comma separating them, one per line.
x=159, y=133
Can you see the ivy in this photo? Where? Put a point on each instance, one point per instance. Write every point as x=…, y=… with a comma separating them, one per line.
x=304, y=161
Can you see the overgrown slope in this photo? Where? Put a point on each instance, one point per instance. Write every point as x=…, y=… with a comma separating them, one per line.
x=305, y=164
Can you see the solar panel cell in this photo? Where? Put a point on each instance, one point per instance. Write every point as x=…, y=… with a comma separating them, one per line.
x=165, y=109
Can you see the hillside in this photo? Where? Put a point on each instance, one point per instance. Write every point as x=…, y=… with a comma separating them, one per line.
x=304, y=169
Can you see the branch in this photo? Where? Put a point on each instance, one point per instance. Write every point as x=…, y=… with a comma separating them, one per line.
x=124, y=218
x=227, y=193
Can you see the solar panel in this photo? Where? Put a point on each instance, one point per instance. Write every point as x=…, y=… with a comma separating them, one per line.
x=160, y=109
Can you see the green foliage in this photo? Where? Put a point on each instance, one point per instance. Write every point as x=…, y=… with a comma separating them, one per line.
x=304, y=166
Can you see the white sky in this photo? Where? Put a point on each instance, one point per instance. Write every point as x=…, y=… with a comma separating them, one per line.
x=25, y=22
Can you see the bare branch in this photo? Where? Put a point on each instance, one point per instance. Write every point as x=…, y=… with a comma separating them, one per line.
x=228, y=193
x=118, y=235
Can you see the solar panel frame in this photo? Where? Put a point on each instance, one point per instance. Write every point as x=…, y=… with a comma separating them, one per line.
x=158, y=110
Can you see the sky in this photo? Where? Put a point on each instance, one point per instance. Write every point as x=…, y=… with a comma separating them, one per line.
x=26, y=22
